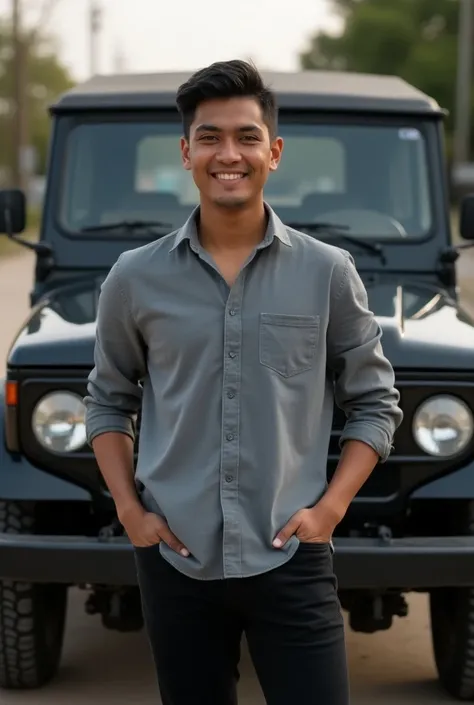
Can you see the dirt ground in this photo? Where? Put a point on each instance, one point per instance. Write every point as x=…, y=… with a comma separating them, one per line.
x=394, y=667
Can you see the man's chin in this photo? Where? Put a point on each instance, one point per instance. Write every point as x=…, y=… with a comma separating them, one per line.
x=231, y=202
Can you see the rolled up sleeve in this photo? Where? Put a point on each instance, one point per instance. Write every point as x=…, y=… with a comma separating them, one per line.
x=363, y=377
x=114, y=392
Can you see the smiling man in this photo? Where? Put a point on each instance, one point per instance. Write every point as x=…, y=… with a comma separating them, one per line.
x=235, y=335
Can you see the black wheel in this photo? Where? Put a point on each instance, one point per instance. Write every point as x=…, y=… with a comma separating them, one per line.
x=452, y=630
x=32, y=617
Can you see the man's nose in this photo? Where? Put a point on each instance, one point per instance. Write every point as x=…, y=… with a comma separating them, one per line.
x=229, y=151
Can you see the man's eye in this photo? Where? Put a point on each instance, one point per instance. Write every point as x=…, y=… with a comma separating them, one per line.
x=249, y=138
x=208, y=138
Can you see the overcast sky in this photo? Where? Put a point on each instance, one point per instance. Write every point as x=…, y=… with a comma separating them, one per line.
x=150, y=35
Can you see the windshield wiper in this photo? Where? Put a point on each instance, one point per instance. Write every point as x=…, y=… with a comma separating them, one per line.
x=339, y=232
x=130, y=225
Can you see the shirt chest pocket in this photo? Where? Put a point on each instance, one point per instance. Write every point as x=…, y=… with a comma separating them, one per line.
x=287, y=343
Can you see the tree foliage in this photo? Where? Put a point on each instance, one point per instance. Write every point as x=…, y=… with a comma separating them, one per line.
x=46, y=78
x=414, y=39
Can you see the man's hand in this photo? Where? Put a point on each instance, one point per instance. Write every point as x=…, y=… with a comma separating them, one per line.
x=147, y=529
x=315, y=525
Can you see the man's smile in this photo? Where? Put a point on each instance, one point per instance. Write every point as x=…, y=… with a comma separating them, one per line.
x=228, y=175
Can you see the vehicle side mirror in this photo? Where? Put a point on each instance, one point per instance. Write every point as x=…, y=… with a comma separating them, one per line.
x=12, y=211
x=466, y=220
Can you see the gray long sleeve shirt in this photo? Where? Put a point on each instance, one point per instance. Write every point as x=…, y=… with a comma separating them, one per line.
x=237, y=387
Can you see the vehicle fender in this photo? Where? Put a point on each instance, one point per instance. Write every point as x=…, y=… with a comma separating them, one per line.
x=456, y=485
x=22, y=481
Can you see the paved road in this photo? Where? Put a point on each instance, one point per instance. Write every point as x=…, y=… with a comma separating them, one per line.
x=394, y=667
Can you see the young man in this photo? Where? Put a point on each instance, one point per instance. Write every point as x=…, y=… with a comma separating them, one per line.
x=234, y=335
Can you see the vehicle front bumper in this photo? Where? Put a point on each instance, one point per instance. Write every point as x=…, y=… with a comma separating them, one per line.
x=360, y=563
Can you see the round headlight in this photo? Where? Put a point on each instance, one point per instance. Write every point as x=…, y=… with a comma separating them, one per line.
x=443, y=425
x=59, y=422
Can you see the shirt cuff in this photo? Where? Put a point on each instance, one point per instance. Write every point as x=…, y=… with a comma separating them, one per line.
x=96, y=425
x=372, y=436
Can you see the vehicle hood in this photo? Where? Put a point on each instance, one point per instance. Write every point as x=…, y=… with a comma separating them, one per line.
x=422, y=327
x=60, y=330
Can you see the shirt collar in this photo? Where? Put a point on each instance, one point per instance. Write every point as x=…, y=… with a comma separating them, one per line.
x=275, y=228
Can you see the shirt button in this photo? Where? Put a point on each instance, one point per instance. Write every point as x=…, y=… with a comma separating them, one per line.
x=230, y=395
x=232, y=312
x=232, y=354
x=229, y=478
x=230, y=436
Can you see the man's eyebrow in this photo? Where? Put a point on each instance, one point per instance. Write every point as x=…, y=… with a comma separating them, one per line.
x=205, y=127
x=249, y=128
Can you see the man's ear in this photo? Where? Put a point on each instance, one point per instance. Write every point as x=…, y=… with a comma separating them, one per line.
x=185, y=153
x=276, y=152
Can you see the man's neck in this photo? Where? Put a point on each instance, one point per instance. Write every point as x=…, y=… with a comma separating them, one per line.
x=231, y=229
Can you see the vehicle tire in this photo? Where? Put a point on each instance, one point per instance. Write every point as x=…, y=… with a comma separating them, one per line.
x=32, y=617
x=452, y=630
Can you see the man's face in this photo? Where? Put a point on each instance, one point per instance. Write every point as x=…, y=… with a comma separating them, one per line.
x=230, y=152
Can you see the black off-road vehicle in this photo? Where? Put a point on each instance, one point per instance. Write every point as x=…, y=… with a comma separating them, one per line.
x=363, y=168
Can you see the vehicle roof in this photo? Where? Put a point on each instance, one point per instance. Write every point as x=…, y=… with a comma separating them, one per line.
x=323, y=90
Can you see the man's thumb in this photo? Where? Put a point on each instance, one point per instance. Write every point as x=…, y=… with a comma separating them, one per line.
x=282, y=537
x=165, y=533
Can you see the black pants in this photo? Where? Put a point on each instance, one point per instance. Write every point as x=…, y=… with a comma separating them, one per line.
x=291, y=617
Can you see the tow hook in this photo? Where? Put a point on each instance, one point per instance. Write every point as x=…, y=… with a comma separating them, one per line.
x=110, y=531
x=385, y=534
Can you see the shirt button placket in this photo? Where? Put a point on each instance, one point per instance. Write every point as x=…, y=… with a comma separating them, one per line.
x=230, y=431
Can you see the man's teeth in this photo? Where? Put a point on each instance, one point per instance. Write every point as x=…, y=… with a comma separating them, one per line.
x=229, y=177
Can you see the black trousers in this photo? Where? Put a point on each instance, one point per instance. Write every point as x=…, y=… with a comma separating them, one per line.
x=291, y=617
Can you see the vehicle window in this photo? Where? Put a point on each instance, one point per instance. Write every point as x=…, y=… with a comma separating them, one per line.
x=408, y=181
x=371, y=178
x=310, y=164
x=158, y=169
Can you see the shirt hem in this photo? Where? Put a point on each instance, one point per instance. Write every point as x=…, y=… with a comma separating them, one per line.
x=241, y=576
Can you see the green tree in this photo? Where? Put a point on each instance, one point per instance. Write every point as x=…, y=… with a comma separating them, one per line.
x=414, y=39
x=46, y=77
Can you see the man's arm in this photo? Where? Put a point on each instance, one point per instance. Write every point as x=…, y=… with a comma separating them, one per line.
x=114, y=394
x=364, y=387
x=363, y=377
x=113, y=400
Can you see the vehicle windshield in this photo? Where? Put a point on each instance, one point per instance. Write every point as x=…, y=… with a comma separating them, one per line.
x=370, y=178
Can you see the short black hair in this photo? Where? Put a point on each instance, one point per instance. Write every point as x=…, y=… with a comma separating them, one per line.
x=226, y=79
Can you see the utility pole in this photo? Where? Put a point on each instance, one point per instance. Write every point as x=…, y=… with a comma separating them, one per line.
x=464, y=82
x=95, y=25
x=20, y=79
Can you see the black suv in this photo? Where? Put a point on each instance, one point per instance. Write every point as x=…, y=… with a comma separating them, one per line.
x=363, y=168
